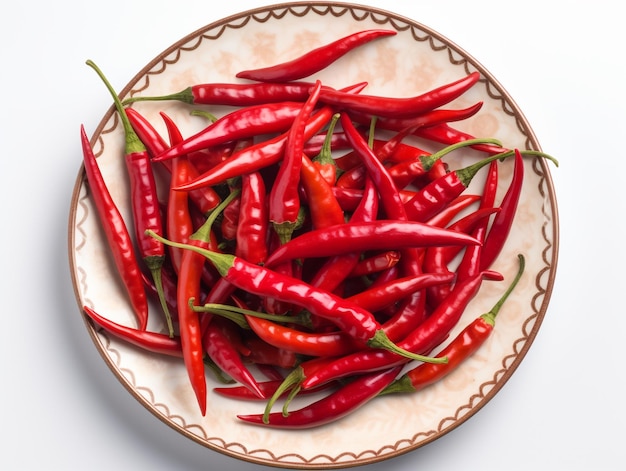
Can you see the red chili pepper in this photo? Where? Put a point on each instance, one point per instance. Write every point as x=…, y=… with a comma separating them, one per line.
x=284, y=198
x=503, y=221
x=301, y=342
x=425, y=337
x=151, y=341
x=230, y=220
x=259, y=280
x=446, y=134
x=116, y=233
x=144, y=199
x=446, y=215
x=382, y=295
x=178, y=224
x=471, y=262
x=314, y=60
x=381, y=234
x=220, y=349
x=189, y=287
x=428, y=119
x=399, y=107
x=239, y=124
x=464, y=345
x=252, y=228
x=330, y=408
x=234, y=94
x=324, y=208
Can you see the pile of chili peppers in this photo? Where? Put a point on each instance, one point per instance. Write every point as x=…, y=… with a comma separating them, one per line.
x=307, y=244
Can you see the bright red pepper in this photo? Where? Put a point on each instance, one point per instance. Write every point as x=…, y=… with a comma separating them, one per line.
x=284, y=198
x=399, y=107
x=151, y=341
x=116, y=233
x=464, y=345
x=314, y=60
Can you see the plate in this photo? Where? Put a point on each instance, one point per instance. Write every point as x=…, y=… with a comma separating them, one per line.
x=414, y=60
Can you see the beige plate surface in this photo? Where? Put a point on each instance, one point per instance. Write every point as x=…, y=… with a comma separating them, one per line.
x=413, y=61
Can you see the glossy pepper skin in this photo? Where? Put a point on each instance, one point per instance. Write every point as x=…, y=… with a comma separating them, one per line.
x=116, y=233
x=314, y=60
x=330, y=408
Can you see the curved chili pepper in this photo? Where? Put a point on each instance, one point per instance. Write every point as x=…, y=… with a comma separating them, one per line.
x=284, y=198
x=382, y=234
x=464, y=345
x=382, y=106
x=178, y=222
x=116, y=233
x=145, y=206
x=471, y=262
x=151, y=341
x=330, y=408
x=503, y=221
x=428, y=119
x=221, y=350
x=252, y=228
x=446, y=215
x=255, y=157
x=234, y=94
x=303, y=343
x=239, y=124
x=230, y=219
x=425, y=337
x=382, y=295
x=259, y=280
x=189, y=287
x=314, y=60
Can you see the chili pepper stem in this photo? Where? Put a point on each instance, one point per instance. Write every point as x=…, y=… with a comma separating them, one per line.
x=466, y=174
x=155, y=265
x=490, y=317
x=380, y=340
x=185, y=96
x=429, y=160
x=293, y=379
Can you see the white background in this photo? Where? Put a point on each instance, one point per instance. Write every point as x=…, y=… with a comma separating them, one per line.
x=563, y=63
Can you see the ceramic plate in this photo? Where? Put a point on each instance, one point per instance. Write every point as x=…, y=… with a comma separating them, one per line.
x=413, y=61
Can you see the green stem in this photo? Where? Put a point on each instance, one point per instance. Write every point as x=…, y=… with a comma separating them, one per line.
x=293, y=379
x=429, y=160
x=203, y=233
x=466, y=174
x=325, y=156
x=214, y=307
x=370, y=140
x=380, y=340
x=490, y=317
x=186, y=96
x=222, y=262
x=133, y=143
